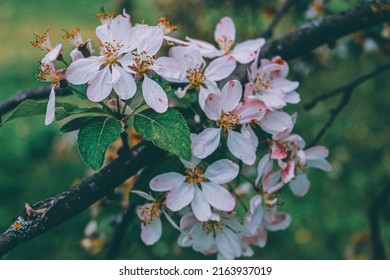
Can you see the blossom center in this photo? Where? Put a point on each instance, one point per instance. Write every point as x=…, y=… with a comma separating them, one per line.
x=228, y=120
x=196, y=77
x=110, y=51
x=142, y=62
x=225, y=43
x=42, y=41
x=212, y=227
x=166, y=26
x=74, y=37
x=262, y=82
x=151, y=212
x=195, y=175
x=105, y=17
x=48, y=74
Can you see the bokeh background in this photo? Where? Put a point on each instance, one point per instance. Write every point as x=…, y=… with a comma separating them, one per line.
x=330, y=222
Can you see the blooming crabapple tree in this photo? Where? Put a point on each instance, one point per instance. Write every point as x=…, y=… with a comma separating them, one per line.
x=228, y=127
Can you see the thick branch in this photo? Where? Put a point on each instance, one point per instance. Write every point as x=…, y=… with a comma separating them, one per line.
x=36, y=93
x=55, y=210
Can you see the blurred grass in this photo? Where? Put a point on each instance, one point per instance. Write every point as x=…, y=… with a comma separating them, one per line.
x=329, y=223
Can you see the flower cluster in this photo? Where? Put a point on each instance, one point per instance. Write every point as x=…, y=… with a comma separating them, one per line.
x=235, y=122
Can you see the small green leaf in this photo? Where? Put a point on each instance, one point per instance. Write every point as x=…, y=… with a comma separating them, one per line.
x=168, y=130
x=27, y=108
x=76, y=124
x=94, y=139
x=64, y=112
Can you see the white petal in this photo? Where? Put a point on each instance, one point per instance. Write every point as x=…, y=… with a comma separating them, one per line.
x=322, y=164
x=125, y=88
x=222, y=171
x=272, y=182
x=205, y=143
x=317, y=152
x=212, y=106
x=263, y=168
x=143, y=195
x=151, y=233
x=228, y=244
x=150, y=39
x=115, y=75
x=180, y=196
x=276, y=122
x=51, y=107
x=217, y=196
x=220, y=68
x=99, y=87
x=82, y=70
x=300, y=185
x=292, y=97
x=231, y=95
x=200, y=206
x=225, y=29
x=53, y=54
x=187, y=221
x=166, y=181
x=240, y=145
x=154, y=95
x=245, y=52
x=169, y=68
x=282, y=221
x=205, y=48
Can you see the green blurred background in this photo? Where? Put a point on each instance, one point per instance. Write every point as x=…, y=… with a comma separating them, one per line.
x=330, y=222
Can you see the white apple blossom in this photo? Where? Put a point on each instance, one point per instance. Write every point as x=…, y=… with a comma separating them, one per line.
x=201, y=190
x=221, y=234
x=83, y=49
x=225, y=108
x=225, y=36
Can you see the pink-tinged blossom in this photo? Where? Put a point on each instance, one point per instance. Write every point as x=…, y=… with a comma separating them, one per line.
x=43, y=42
x=225, y=36
x=262, y=218
x=199, y=76
x=83, y=49
x=142, y=61
x=225, y=108
x=221, y=234
x=166, y=28
x=48, y=73
x=268, y=83
x=105, y=73
x=201, y=190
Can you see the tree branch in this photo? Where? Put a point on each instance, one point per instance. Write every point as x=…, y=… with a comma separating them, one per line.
x=56, y=210
x=352, y=85
x=36, y=93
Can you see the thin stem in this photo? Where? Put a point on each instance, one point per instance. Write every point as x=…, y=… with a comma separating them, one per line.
x=238, y=197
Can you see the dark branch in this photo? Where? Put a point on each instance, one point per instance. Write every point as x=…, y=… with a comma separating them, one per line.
x=373, y=216
x=56, y=210
x=277, y=18
x=36, y=93
x=347, y=87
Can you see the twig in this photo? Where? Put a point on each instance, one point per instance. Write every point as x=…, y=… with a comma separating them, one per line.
x=277, y=18
x=333, y=114
x=66, y=205
x=378, y=251
x=347, y=87
x=238, y=197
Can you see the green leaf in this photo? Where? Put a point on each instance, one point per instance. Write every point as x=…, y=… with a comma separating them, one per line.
x=76, y=124
x=27, y=108
x=65, y=112
x=94, y=139
x=168, y=130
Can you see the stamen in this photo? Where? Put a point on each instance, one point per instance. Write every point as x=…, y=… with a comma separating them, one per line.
x=228, y=120
x=225, y=44
x=262, y=83
x=166, y=26
x=212, y=227
x=42, y=41
x=196, y=77
x=195, y=176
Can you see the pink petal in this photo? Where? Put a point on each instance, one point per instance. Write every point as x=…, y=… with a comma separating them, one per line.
x=251, y=111
x=292, y=97
x=254, y=203
x=231, y=95
x=222, y=171
x=278, y=150
x=240, y=145
x=82, y=70
x=99, y=86
x=53, y=54
x=300, y=185
x=284, y=85
x=263, y=168
x=220, y=68
x=271, y=182
x=200, y=207
x=206, y=142
x=217, y=196
x=166, y=181
x=212, y=107
x=274, y=99
x=281, y=221
x=276, y=122
x=288, y=172
x=51, y=107
x=225, y=29
x=180, y=196
x=249, y=46
x=154, y=95
x=187, y=220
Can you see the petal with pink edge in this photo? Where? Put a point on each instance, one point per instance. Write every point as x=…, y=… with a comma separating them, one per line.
x=212, y=106
x=231, y=95
x=206, y=142
x=263, y=168
x=180, y=196
x=225, y=30
x=166, y=181
x=154, y=95
x=222, y=171
x=217, y=196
